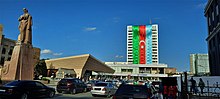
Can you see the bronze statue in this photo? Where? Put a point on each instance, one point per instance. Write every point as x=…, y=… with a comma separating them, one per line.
x=25, y=26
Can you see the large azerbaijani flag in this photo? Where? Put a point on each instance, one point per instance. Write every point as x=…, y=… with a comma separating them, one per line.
x=142, y=44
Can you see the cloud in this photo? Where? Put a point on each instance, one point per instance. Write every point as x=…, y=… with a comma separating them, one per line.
x=49, y=52
x=90, y=29
x=46, y=51
x=118, y=56
x=57, y=54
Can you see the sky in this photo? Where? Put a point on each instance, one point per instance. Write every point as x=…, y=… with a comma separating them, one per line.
x=63, y=28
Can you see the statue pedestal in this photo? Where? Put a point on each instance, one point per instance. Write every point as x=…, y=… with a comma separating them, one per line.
x=21, y=66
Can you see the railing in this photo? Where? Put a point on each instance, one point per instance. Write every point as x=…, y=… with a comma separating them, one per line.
x=208, y=91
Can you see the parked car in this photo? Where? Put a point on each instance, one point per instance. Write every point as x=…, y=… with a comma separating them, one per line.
x=103, y=88
x=71, y=85
x=115, y=82
x=91, y=83
x=25, y=89
x=128, y=91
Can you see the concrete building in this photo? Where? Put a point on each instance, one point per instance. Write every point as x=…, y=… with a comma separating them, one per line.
x=142, y=44
x=6, y=48
x=199, y=64
x=125, y=70
x=170, y=70
x=80, y=66
x=213, y=39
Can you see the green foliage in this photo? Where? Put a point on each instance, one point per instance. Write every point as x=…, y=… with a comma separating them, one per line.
x=41, y=68
x=45, y=78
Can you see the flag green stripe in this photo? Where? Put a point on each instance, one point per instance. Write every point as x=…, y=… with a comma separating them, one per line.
x=135, y=30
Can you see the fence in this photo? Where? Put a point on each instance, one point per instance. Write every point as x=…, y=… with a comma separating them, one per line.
x=210, y=90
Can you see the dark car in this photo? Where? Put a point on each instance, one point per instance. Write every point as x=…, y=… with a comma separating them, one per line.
x=128, y=91
x=71, y=85
x=23, y=89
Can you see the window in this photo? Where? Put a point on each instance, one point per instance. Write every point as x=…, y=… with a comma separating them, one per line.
x=2, y=60
x=3, y=51
x=209, y=21
x=127, y=70
x=10, y=52
x=213, y=16
x=216, y=9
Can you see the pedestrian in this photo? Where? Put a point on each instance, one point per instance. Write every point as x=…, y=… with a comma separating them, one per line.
x=165, y=92
x=201, y=85
x=193, y=86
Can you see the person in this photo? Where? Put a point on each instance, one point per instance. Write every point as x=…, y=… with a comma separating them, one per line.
x=25, y=27
x=201, y=85
x=165, y=92
x=193, y=86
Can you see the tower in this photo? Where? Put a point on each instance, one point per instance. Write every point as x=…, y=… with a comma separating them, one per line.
x=142, y=44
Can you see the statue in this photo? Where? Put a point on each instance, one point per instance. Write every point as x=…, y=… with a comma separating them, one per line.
x=21, y=65
x=25, y=26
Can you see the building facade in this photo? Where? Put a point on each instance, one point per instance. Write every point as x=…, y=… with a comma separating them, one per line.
x=199, y=64
x=213, y=39
x=142, y=44
x=126, y=71
x=6, y=48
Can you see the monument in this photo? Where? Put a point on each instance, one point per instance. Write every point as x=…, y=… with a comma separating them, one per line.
x=21, y=65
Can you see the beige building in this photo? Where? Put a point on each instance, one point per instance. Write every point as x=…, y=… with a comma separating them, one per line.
x=169, y=70
x=82, y=66
x=125, y=70
x=6, y=48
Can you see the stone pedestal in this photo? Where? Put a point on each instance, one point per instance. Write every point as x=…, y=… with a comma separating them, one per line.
x=21, y=66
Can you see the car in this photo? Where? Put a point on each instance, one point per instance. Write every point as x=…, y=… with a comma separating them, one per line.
x=104, y=89
x=25, y=89
x=128, y=91
x=115, y=82
x=91, y=83
x=71, y=85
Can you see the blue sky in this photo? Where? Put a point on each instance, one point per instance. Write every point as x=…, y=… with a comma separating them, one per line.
x=98, y=27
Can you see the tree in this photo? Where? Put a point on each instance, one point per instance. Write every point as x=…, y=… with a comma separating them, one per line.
x=40, y=68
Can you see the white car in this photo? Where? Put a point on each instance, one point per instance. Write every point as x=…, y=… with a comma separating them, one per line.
x=103, y=88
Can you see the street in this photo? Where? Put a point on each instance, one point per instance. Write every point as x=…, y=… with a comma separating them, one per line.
x=86, y=95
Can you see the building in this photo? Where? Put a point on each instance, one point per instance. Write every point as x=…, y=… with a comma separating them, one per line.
x=199, y=64
x=80, y=66
x=142, y=55
x=124, y=70
x=170, y=70
x=142, y=44
x=213, y=39
x=6, y=48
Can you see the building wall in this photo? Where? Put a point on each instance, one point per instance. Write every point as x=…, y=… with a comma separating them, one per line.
x=142, y=43
x=170, y=70
x=213, y=39
x=147, y=71
x=199, y=64
x=6, y=48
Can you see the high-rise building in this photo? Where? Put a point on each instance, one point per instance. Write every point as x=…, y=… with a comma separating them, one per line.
x=142, y=44
x=199, y=64
x=213, y=40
